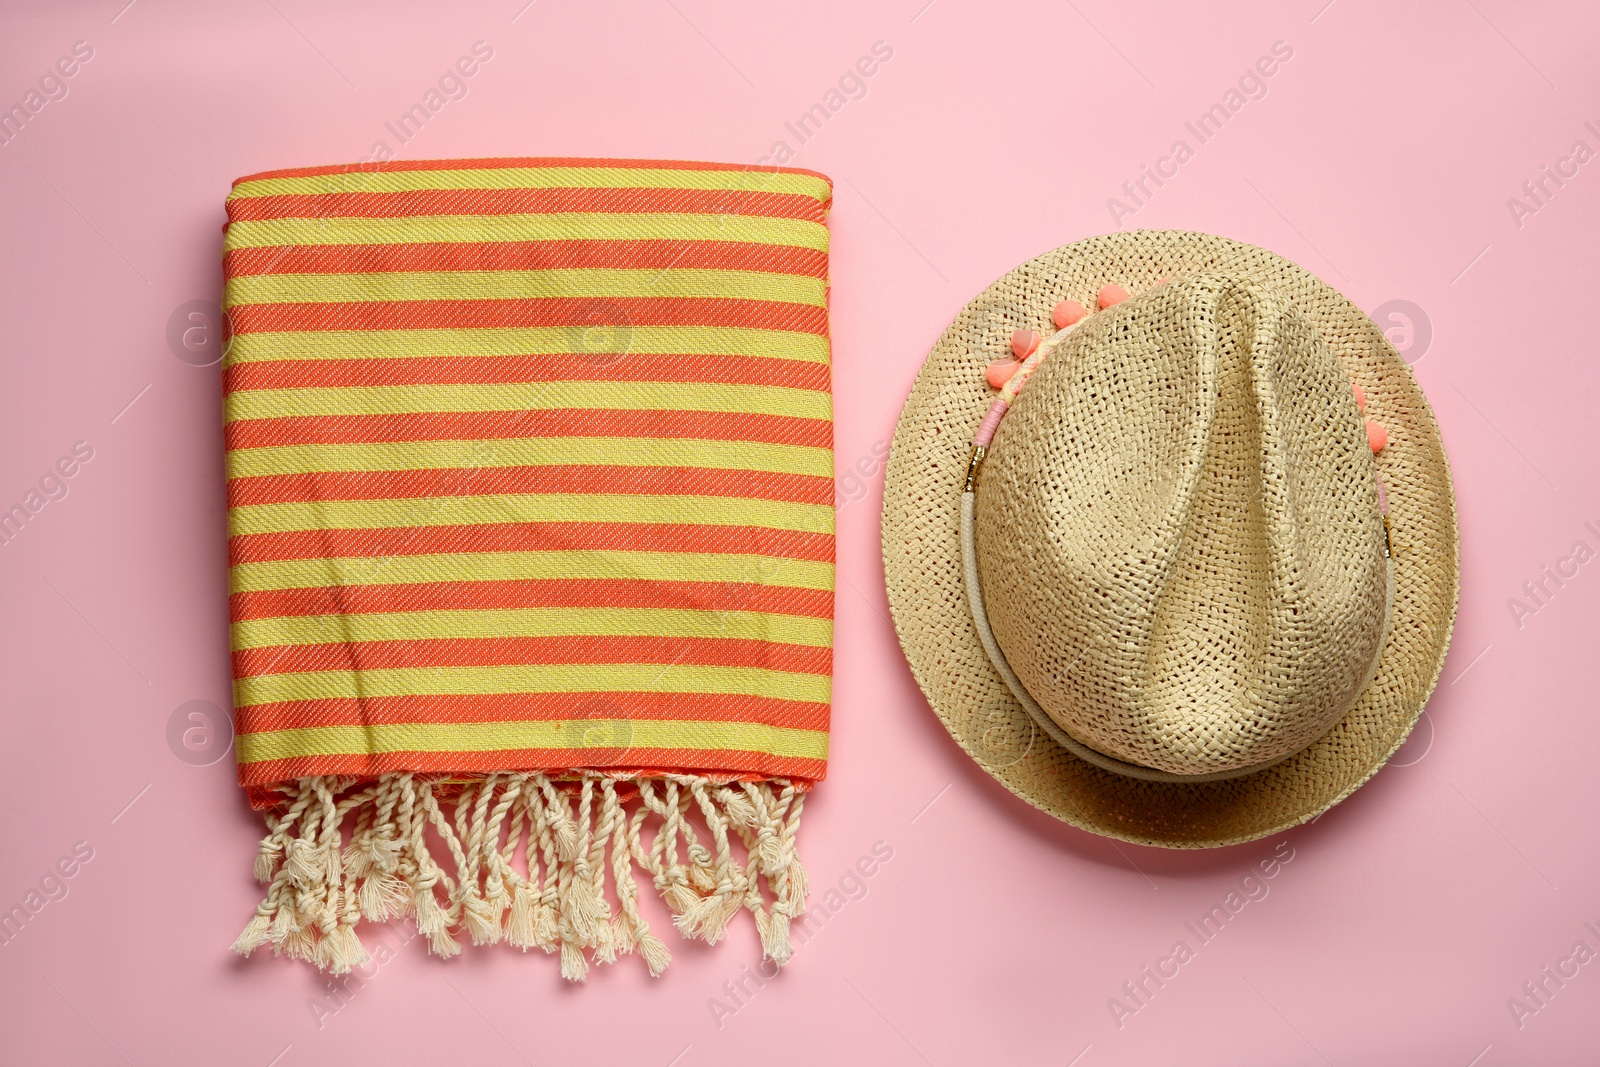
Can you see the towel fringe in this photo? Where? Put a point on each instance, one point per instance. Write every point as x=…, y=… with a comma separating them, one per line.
x=570, y=833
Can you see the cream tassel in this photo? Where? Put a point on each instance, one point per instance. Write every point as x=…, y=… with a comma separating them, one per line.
x=547, y=898
x=570, y=833
x=521, y=926
x=482, y=918
x=433, y=922
x=626, y=850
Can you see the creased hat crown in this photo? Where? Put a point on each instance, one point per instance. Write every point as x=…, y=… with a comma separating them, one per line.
x=1178, y=532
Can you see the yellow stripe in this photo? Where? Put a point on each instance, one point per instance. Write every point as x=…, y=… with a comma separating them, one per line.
x=540, y=507
x=532, y=678
x=500, y=736
x=526, y=396
x=580, y=564
x=753, y=180
x=523, y=285
x=531, y=622
x=518, y=341
x=532, y=452
x=574, y=226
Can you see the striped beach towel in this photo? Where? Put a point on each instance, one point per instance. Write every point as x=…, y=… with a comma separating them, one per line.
x=530, y=516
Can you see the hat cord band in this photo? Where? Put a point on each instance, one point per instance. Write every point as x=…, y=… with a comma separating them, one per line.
x=997, y=657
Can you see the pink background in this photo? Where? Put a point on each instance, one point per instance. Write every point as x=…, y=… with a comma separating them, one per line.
x=1382, y=157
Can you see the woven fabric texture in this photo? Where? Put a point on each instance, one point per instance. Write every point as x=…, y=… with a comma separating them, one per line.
x=529, y=469
x=1064, y=574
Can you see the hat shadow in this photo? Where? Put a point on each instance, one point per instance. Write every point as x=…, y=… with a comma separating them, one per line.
x=1150, y=861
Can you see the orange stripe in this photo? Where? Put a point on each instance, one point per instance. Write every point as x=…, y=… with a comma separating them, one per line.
x=547, y=422
x=515, y=162
x=530, y=707
x=517, y=651
x=531, y=593
x=648, y=762
x=497, y=481
x=492, y=370
x=418, y=203
x=526, y=255
x=531, y=537
x=544, y=311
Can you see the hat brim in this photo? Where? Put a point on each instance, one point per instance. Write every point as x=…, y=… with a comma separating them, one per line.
x=922, y=555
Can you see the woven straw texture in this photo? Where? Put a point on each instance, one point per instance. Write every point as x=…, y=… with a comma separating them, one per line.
x=1179, y=540
x=1202, y=588
x=529, y=469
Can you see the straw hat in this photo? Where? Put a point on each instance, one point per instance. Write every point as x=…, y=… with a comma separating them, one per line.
x=1172, y=606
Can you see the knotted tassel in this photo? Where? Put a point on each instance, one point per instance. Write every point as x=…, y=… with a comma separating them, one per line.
x=573, y=834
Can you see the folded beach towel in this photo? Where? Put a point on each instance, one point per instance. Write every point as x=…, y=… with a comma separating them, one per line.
x=530, y=514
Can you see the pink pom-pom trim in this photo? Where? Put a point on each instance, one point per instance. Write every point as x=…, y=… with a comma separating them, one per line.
x=1067, y=312
x=998, y=373
x=1110, y=294
x=1023, y=342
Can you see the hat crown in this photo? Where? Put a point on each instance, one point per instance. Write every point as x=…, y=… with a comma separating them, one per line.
x=1178, y=533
